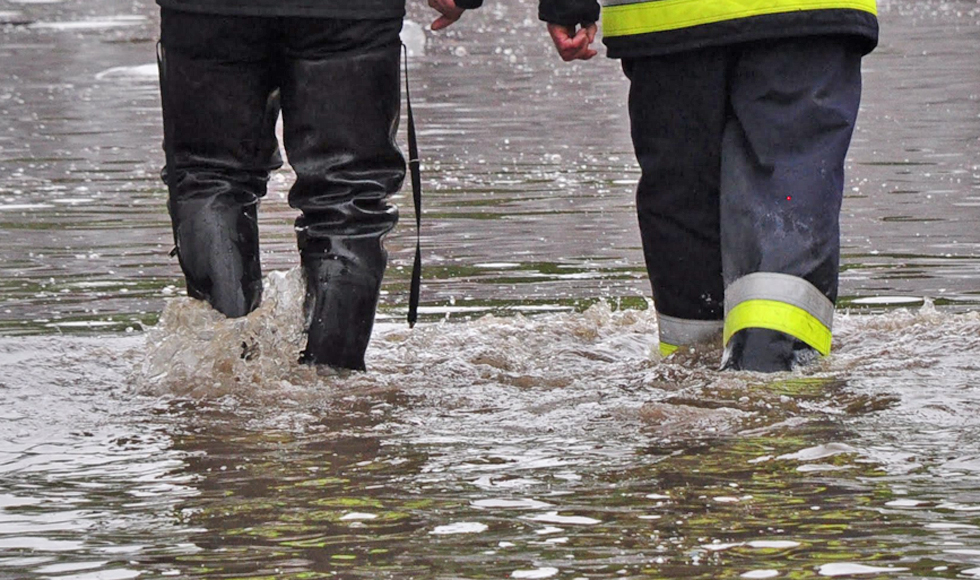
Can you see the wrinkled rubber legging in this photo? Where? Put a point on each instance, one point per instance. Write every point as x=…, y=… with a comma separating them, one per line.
x=224, y=80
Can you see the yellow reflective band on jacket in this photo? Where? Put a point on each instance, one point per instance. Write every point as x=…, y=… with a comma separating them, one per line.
x=780, y=316
x=623, y=19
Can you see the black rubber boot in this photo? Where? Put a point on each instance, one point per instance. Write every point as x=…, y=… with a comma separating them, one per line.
x=765, y=351
x=220, y=105
x=218, y=248
x=343, y=282
x=340, y=103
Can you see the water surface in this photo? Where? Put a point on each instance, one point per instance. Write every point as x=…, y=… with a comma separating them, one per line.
x=525, y=428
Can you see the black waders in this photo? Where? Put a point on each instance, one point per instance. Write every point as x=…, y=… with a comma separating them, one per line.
x=224, y=79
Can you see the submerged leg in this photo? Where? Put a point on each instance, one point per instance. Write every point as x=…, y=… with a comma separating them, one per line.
x=343, y=282
x=341, y=102
x=794, y=106
x=677, y=107
x=217, y=241
x=220, y=107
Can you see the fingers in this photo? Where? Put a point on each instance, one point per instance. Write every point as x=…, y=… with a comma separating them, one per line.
x=591, y=29
x=448, y=11
x=442, y=22
x=573, y=45
x=584, y=38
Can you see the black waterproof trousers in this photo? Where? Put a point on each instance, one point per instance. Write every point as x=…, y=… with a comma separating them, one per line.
x=223, y=82
x=742, y=155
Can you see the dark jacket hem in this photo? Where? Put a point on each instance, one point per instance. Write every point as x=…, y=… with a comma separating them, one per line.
x=282, y=10
x=568, y=12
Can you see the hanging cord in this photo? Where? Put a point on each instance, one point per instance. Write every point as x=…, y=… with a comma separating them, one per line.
x=413, y=167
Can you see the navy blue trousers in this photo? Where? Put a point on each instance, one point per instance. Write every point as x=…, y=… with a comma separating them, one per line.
x=742, y=154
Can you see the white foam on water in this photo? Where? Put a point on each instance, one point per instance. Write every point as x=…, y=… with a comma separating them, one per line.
x=357, y=516
x=195, y=351
x=958, y=507
x=755, y=574
x=964, y=552
x=819, y=452
x=521, y=504
x=24, y=206
x=720, y=547
x=951, y=526
x=460, y=528
x=544, y=572
x=904, y=503
x=497, y=265
x=549, y=530
x=567, y=372
x=554, y=518
x=773, y=544
x=849, y=569
x=887, y=300
x=510, y=405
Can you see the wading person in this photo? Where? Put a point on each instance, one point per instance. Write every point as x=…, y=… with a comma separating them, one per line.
x=227, y=68
x=741, y=115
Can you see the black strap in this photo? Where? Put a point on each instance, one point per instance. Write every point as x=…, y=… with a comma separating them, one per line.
x=413, y=167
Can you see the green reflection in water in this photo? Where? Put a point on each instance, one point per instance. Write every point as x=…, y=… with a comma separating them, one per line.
x=352, y=498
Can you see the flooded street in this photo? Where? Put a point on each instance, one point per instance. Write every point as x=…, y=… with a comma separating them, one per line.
x=525, y=428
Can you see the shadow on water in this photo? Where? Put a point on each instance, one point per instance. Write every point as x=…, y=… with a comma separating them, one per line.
x=526, y=428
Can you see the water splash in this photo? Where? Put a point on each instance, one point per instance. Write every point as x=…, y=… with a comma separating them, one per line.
x=195, y=351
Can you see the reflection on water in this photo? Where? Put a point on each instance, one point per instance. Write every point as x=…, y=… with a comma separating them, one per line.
x=526, y=429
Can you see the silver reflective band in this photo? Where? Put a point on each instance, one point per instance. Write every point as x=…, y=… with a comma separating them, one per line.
x=685, y=332
x=619, y=2
x=780, y=288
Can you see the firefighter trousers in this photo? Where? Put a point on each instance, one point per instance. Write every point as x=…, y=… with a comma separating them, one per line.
x=224, y=81
x=741, y=150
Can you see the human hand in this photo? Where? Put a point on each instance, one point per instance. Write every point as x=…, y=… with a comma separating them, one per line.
x=572, y=44
x=449, y=13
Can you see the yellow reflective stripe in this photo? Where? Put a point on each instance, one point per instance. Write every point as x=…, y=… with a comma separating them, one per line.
x=661, y=15
x=780, y=316
x=667, y=349
x=782, y=288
